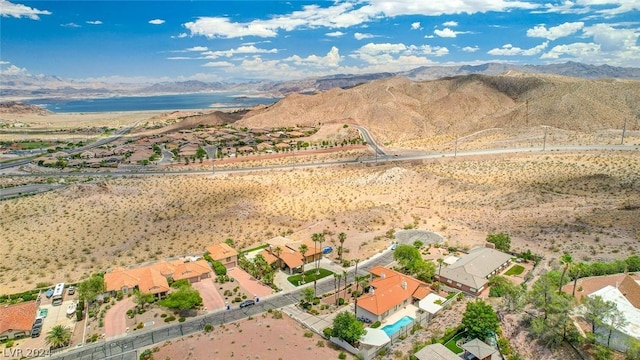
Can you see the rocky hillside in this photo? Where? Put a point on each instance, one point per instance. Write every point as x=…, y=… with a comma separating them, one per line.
x=13, y=107
x=399, y=109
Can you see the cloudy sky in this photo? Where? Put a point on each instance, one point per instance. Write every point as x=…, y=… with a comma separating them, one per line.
x=246, y=40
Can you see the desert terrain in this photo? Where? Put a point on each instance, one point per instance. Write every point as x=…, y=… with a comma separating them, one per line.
x=584, y=202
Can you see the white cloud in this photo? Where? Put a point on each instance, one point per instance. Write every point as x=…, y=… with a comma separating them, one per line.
x=510, y=50
x=4, y=62
x=332, y=59
x=612, y=39
x=94, y=22
x=470, y=48
x=378, y=54
x=197, y=48
x=180, y=58
x=180, y=36
x=555, y=32
x=416, y=26
x=14, y=70
x=450, y=23
x=578, y=50
x=446, y=33
x=335, y=34
x=344, y=14
x=429, y=36
x=360, y=36
x=218, y=64
x=156, y=22
x=70, y=25
x=9, y=9
x=243, y=49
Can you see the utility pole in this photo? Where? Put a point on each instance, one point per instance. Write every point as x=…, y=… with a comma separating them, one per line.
x=624, y=129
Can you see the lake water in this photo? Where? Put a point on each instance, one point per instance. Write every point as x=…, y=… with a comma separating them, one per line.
x=222, y=101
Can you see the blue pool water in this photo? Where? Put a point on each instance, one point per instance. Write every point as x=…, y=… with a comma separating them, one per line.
x=393, y=328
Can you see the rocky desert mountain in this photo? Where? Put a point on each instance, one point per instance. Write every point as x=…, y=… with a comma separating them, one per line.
x=400, y=109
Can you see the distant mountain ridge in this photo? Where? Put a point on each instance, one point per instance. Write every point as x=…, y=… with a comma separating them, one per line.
x=40, y=86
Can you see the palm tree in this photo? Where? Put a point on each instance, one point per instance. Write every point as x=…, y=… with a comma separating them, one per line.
x=566, y=260
x=338, y=277
x=59, y=336
x=440, y=261
x=317, y=238
x=346, y=277
x=577, y=271
x=277, y=251
x=303, y=250
x=355, y=276
x=342, y=237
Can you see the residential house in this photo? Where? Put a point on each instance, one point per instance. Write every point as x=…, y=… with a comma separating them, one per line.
x=140, y=154
x=626, y=296
x=389, y=291
x=436, y=351
x=16, y=320
x=224, y=253
x=192, y=271
x=314, y=250
x=245, y=150
x=479, y=350
x=289, y=260
x=472, y=271
x=154, y=278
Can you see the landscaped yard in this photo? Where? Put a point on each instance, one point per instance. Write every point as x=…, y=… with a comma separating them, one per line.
x=452, y=344
x=515, y=270
x=309, y=276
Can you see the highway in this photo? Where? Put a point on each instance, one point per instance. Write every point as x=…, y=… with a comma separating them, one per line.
x=124, y=347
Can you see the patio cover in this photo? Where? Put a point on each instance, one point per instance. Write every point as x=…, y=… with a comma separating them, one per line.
x=375, y=337
x=429, y=305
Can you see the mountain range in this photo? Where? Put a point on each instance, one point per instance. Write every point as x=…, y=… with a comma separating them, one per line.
x=41, y=86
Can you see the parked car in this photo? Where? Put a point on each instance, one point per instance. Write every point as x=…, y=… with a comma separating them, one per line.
x=38, y=322
x=49, y=293
x=327, y=250
x=35, y=332
x=247, y=303
x=72, y=290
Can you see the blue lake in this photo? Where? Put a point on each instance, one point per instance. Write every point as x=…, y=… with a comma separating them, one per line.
x=222, y=101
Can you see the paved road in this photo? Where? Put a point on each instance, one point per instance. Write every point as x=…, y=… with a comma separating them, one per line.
x=124, y=348
x=27, y=189
x=379, y=153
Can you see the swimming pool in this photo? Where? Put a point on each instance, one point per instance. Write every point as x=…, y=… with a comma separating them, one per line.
x=393, y=328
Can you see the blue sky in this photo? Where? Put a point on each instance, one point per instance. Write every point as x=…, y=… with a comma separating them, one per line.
x=148, y=41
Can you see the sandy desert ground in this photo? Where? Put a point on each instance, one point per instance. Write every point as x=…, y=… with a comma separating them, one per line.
x=584, y=203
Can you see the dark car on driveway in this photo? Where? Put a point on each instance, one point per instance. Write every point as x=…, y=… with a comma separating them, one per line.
x=38, y=322
x=247, y=303
x=35, y=332
x=49, y=293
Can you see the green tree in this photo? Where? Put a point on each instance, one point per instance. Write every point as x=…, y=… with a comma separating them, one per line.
x=277, y=251
x=89, y=289
x=501, y=240
x=514, y=297
x=633, y=352
x=615, y=320
x=346, y=327
x=596, y=310
x=308, y=295
x=405, y=255
x=59, y=336
x=229, y=241
x=543, y=291
x=184, y=298
x=142, y=298
x=480, y=320
x=303, y=250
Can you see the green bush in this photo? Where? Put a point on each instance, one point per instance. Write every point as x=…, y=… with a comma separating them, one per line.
x=182, y=319
x=208, y=328
x=140, y=325
x=328, y=332
x=342, y=355
x=180, y=283
x=169, y=319
x=219, y=268
x=9, y=344
x=340, y=301
x=308, y=334
x=376, y=324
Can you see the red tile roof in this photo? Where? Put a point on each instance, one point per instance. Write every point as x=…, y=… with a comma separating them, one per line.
x=191, y=269
x=221, y=252
x=391, y=288
x=18, y=316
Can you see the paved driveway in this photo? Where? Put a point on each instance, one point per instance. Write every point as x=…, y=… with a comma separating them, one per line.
x=249, y=283
x=115, y=320
x=211, y=298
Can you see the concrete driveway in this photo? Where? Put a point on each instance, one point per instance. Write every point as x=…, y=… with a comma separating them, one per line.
x=249, y=283
x=211, y=298
x=115, y=320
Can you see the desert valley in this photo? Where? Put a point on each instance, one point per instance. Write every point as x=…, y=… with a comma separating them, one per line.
x=550, y=160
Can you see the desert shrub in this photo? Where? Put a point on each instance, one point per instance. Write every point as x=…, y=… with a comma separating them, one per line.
x=340, y=301
x=163, y=315
x=314, y=312
x=342, y=355
x=182, y=319
x=276, y=314
x=169, y=318
x=208, y=328
x=140, y=325
x=320, y=343
x=308, y=334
